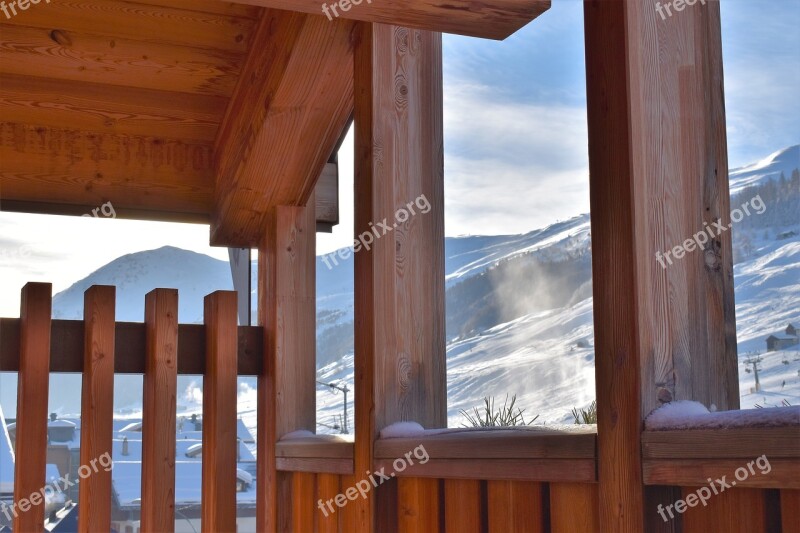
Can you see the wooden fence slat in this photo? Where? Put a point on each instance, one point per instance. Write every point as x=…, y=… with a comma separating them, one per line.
x=790, y=511
x=574, y=507
x=462, y=506
x=304, y=505
x=328, y=487
x=97, y=406
x=733, y=511
x=219, y=414
x=515, y=506
x=158, y=420
x=418, y=505
x=32, y=394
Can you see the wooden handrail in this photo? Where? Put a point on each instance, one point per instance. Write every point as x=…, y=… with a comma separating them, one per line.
x=67, y=340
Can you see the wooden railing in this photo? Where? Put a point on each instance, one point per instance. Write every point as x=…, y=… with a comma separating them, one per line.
x=535, y=479
x=35, y=345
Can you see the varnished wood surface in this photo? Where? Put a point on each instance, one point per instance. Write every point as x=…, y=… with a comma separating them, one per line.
x=495, y=19
x=159, y=405
x=287, y=312
x=33, y=382
x=286, y=116
x=399, y=282
x=67, y=347
x=97, y=406
x=220, y=391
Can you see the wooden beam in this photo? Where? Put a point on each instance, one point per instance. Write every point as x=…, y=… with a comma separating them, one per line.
x=494, y=19
x=219, y=414
x=658, y=171
x=158, y=25
x=293, y=100
x=97, y=406
x=67, y=166
x=784, y=472
x=287, y=312
x=68, y=54
x=399, y=280
x=67, y=352
x=33, y=383
x=122, y=110
x=158, y=418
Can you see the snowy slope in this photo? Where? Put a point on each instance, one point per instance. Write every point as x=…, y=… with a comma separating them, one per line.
x=771, y=167
x=545, y=357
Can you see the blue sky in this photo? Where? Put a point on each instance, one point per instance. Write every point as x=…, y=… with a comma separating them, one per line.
x=515, y=142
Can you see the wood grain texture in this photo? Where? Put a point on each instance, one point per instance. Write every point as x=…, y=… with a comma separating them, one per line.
x=97, y=406
x=399, y=282
x=85, y=57
x=418, y=509
x=516, y=506
x=463, y=506
x=220, y=391
x=314, y=447
x=496, y=19
x=157, y=25
x=67, y=352
x=158, y=418
x=658, y=171
x=287, y=312
x=746, y=443
x=101, y=108
x=304, y=508
x=566, y=470
x=790, y=511
x=326, y=465
x=293, y=100
x=328, y=486
x=33, y=383
x=784, y=473
x=731, y=511
x=327, y=193
x=541, y=442
x=68, y=166
x=574, y=507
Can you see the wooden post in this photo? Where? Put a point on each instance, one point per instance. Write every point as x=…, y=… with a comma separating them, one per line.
x=399, y=275
x=287, y=311
x=158, y=419
x=219, y=413
x=97, y=406
x=32, y=392
x=658, y=173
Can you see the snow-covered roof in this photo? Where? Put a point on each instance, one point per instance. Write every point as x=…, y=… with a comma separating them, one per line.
x=127, y=482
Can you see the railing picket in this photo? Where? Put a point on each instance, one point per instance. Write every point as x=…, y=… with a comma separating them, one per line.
x=97, y=406
x=219, y=414
x=158, y=421
x=32, y=394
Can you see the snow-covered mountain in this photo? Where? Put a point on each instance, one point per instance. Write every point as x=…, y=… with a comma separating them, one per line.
x=519, y=307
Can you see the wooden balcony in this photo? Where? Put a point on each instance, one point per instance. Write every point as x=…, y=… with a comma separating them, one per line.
x=227, y=114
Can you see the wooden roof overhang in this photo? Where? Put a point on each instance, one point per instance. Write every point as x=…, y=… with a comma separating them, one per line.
x=192, y=110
